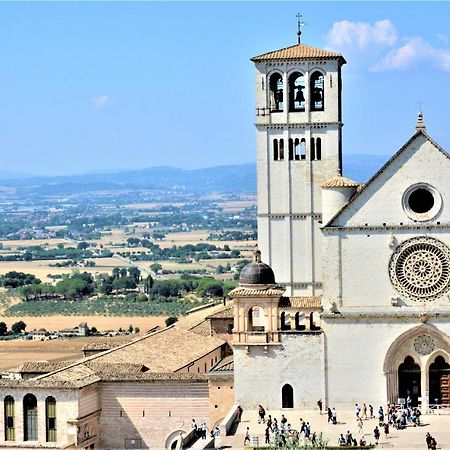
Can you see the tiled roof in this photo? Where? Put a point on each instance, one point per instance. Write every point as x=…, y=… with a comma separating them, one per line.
x=224, y=365
x=163, y=353
x=299, y=51
x=77, y=376
x=275, y=291
x=203, y=328
x=226, y=313
x=300, y=302
x=41, y=366
x=339, y=182
x=107, y=343
x=197, y=315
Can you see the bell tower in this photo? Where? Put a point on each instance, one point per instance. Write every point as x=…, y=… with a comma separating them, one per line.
x=299, y=146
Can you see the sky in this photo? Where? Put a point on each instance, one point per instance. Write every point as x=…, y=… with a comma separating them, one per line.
x=108, y=86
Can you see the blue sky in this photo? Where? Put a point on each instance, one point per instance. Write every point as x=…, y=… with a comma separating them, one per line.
x=105, y=86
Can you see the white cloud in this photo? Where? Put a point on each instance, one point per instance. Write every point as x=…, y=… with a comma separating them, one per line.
x=414, y=51
x=363, y=35
x=442, y=37
x=101, y=101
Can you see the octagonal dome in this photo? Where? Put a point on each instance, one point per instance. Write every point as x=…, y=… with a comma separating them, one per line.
x=256, y=274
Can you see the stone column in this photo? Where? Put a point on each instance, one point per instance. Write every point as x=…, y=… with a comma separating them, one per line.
x=424, y=391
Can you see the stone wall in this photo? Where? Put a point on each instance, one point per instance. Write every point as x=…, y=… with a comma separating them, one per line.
x=150, y=412
x=221, y=397
x=298, y=361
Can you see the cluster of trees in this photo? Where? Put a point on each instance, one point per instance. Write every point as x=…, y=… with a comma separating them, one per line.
x=15, y=279
x=16, y=328
x=84, y=284
x=184, y=253
x=233, y=236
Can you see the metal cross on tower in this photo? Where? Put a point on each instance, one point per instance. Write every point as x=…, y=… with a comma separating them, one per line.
x=300, y=23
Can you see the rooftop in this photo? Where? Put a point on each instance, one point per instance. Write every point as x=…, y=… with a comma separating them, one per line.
x=298, y=51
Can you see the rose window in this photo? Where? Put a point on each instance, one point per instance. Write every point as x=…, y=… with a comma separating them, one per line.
x=420, y=269
x=424, y=345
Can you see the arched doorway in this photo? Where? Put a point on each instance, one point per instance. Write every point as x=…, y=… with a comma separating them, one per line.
x=409, y=380
x=287, y=396
x=439, y=376
x=30, y=425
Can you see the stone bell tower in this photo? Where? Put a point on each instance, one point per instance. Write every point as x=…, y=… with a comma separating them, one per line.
x=298, y=140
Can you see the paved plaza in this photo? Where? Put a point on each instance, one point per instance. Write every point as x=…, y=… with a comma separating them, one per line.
x=438, y=425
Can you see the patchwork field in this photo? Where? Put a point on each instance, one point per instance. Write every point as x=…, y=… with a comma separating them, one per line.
x=15, y=353
x=100, y=322
x=41, y=268
x=51, y=243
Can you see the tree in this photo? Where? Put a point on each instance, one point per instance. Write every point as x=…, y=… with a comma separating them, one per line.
x=155, y=267
x=18, y=327
x=148, y=284
x=82, y=245
x=94, y=330
x=171, y=320
x=226, y=248
x=60, y=246
x=3, y=328
x=134, y=273
x=136, y=330
x=130, y=328
x=133, y=242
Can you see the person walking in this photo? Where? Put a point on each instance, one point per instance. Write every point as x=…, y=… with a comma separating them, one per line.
x=364, y=411
x=319, y=404
x=386, y=430
x=262, y=414
x=330, y=415
x=360, y=426
x=247, y=436
x=267, y=435
x=371, y=411
x=334, y=416
x=376, y=434
x=428, y=440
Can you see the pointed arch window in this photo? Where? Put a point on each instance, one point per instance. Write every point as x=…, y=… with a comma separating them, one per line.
x=317, y=92
x=9, y=414
x=276, y=92
x=296, y=92
x=50, y=419
x=30, y=413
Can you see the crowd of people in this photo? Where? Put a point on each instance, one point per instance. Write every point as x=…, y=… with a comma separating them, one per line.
x=279, y=431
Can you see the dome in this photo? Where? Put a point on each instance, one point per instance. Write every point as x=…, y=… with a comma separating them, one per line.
x=256, y=273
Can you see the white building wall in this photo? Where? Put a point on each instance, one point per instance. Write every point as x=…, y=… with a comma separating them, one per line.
x=259, y=377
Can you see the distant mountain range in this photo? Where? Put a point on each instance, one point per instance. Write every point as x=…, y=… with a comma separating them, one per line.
x=233, y=178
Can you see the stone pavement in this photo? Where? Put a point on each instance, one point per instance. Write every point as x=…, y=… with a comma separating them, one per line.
x=409, y=439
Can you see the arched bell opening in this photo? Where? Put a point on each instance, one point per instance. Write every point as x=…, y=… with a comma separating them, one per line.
x=256, y=319
x=296, y=92
x=317, y=91
x=276, y=92
x=409, y=377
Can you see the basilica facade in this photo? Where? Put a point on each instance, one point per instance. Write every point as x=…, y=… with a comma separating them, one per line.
x=353, y=303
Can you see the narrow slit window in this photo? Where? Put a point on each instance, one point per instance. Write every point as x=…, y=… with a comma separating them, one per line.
x=275, y=150
x=318, y=149
x=313, y=150
x=291, y=149
x=281, y=148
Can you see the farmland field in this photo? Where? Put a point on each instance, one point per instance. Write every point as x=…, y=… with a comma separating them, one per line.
x=15, y=353
x=100, y=322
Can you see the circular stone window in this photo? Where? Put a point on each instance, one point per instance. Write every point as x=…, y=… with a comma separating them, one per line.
x=420, y=269
x=421, y=202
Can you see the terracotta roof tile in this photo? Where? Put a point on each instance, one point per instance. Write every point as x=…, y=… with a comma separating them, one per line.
x=224, y=365
x=299, y=52
x=275, y=291
x=337, y=182
x=225, y=313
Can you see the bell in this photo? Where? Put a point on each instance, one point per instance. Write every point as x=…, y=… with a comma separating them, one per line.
x=299, y=97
